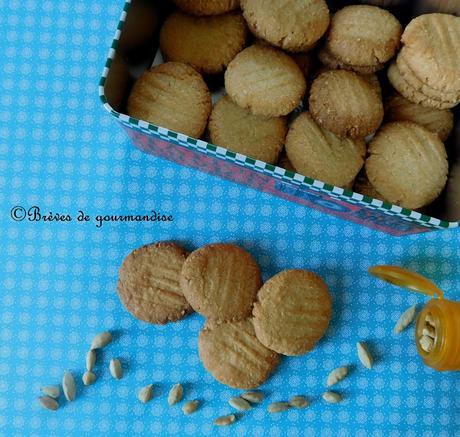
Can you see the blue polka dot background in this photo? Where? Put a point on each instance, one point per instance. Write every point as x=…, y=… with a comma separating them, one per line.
x=61, y=151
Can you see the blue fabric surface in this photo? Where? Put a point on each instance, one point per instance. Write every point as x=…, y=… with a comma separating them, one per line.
x=61, y=151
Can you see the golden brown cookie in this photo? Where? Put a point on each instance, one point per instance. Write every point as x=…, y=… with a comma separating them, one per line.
x=207, y=7
x=265, y=80
x=410, y=93
x=237, y=129
x=319, y=154
x=292, y=312
x=363, y=35
x=438, y=121
x=232, y=353
x=148, y=283
x=295, y=26
x=407, y=164
x=346, y=104
x=172, y=95
x=220, y=281
x=432, y=43
x=363, y=186
x=206, y=43
x=330, y=61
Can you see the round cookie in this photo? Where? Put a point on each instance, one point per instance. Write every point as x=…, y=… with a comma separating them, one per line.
x=438, y=121
x=220, y=281
x=296, y=26
x=410, y=93
x=329, y=60
x=172, y=95
x=207, y=7
x=232, y=353
x=237, y=129
x=206, y=43
x=292, y=312
x=148, y=283
x=432, y=43
x=346, y=104
x=363, y=35
x=407, y=164
x=265, y=80
x=319, y=154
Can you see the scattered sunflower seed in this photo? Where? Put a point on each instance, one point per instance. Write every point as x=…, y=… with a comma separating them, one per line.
x=190, y=407
x=429, y=331
x=299, y=402
x=278, y=407
x=175, y=394
x=337, y=375
x=101, y=340
x=88, y=378
x=364, y=355
x=68, y=386
x=48, y=402
x=90, y=360
x=426, y=343
x=254, y=397
x=239, y=404
x=53, y=391
x=145, y=393
x=332, y=397
x=115, y=368
x=225, y=420
x=429, y=320
x=405, y=319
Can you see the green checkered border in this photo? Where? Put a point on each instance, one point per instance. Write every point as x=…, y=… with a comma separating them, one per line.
x=259, y=166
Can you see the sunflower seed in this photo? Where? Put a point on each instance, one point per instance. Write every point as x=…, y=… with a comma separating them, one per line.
x=239, y=404
x=429, y=320
x=68, y=386
x=90, y=360
x=337, y=375
x=145, y=393
x=53, y=391
x=299, y=402
x=405, y=319
x=225, y=420
x=101, y=340
x=364, y=355
x=190, y=407
x=426, y=343
x=48, y=403
x=253, y=396
x=88, y=378
x=278, y=407
x=115, y=368
x=429, y=331
x=332, y=397
x=175, y=394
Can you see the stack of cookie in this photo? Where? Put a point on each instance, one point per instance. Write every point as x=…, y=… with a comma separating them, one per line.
x=247, y=324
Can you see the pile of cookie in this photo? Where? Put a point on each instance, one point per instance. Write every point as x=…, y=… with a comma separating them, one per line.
x=342, y=132
x=248, y=323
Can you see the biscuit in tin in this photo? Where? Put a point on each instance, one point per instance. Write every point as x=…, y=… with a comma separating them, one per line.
x=330, y=61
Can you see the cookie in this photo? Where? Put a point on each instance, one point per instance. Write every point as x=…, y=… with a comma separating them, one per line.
x=438, y=121
x=407, y=164
x=319, y=154
x=220, y=281
x=206, y=43
x=207, y=7
x=432, y=43
x=413, y=81
x=363, y=35
x=362, y=186
x=295, y=26
x=329, y=60
x=410, y=93
x=292, y=312
x=172, y=95
x=232, y=354
x=148, y=283
x=345, y=103
x=265, y=80
x=237, y=129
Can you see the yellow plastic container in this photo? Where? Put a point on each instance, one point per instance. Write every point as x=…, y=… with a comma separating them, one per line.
x=437, y=330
